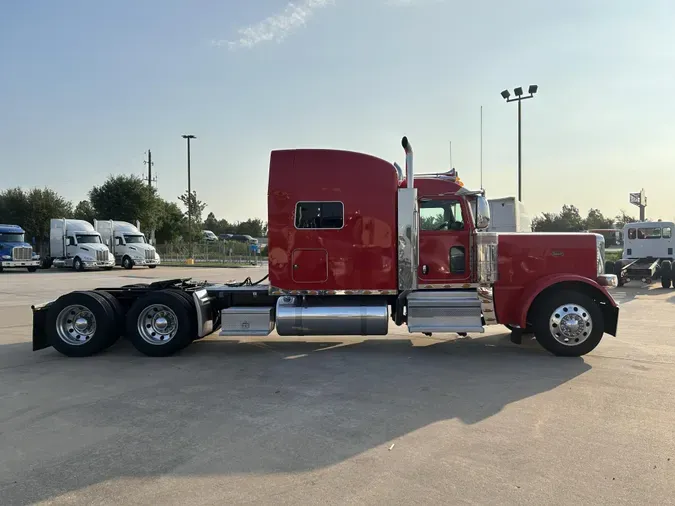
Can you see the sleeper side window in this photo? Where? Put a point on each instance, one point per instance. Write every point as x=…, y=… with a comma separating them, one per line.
x=319, y=215
x=631, y=233
x=667, y=233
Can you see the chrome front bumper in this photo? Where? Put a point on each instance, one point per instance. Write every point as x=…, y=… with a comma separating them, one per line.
x=19, y=263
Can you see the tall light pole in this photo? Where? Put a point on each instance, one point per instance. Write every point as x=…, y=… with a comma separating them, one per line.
x=188, y=137
x=519, y=97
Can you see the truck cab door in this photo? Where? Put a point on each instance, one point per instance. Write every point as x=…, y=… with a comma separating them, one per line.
x=444, y=235
x=71, y=247
x=118, y=248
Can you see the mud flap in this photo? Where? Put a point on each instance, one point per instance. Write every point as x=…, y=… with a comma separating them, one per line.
x=40, y=339
x=611, y=317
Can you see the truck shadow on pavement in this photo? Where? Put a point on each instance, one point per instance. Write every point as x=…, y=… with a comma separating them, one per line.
x=225, y=408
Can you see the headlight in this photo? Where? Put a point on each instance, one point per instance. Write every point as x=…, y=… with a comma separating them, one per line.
x=6, y=257
x=87, y=258
x=156, y=256
x=36, y=257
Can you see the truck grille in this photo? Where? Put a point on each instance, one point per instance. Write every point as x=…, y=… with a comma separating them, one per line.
x=22, y=253
x=101, y=256
x=149, y=254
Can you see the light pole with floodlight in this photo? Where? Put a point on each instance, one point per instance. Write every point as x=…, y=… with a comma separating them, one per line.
x=519, y=97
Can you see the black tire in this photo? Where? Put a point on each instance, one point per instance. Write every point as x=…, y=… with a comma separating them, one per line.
x=609, y=267
x=118, y=311
x=578, y=303
x=185, y=321
x=78, y=266
x=107, y=268
x=666, y=270
x=151, y=266
x=193, y=309
x=32, y=269
x=127, y=263
x=105, y=332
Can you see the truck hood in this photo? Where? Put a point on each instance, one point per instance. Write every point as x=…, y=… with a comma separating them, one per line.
x=141, y=246
x=93, y=247
x=10, y=245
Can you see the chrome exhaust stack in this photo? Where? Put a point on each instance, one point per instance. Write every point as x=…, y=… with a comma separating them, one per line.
x=408, y=226
x=409, y=175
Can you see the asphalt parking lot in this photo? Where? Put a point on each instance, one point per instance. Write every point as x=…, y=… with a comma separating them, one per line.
x=333, y=421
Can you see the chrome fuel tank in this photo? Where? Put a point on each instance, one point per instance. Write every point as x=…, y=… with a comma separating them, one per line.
x=335, y=316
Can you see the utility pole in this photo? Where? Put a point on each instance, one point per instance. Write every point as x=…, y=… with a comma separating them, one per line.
x=150, y=163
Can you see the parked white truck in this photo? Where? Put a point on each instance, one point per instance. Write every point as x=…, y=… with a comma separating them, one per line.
x=508, y=215
x=76, y=244
x=128, y=244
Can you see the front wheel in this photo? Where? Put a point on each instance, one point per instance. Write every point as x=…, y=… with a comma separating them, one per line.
x=151, y=266
x=78, y=265
x=568, y=323
x=32, y=269
x=127, y=263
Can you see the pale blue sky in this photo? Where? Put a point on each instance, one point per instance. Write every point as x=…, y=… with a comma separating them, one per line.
x=87, y=87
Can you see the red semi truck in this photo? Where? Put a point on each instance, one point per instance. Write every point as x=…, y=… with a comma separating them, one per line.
x=354, y=243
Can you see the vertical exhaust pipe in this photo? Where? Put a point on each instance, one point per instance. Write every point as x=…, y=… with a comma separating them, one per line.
x=409, y=175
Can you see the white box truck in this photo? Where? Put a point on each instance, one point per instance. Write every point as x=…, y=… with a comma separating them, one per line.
x=76, y=244
x=128, y=244
x=508, y=215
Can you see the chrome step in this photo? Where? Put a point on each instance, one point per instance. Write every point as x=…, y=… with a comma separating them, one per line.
x=444, y=311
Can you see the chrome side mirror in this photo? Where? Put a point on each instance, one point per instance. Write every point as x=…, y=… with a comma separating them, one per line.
x=482, y=213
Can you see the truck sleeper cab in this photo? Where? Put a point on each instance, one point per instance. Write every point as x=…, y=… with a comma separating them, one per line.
x=76, y=244
x=127, y=243
x=353, y=245
x=15, y=252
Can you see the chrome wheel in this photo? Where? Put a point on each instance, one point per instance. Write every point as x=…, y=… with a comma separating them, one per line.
x=157, y=324
x=571, y=324
x=76, y=325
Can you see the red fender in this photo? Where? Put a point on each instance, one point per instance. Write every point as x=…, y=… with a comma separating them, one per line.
x=534, y=289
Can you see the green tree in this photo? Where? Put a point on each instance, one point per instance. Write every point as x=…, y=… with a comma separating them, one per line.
x=126, y=198
x=14, y=207
x=622, y=218
x=568, y=220
x=171, y=224
x=84, y=211
x=595, y=219
x=193, y=206
x=33, y=210
x=212, y=223
x=253, y=227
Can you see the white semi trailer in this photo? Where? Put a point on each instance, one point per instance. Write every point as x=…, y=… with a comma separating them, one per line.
x=128, y=244
x=76, y=244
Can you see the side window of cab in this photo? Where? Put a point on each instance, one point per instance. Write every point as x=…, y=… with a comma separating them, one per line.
x=632, y=233
x=437, y=214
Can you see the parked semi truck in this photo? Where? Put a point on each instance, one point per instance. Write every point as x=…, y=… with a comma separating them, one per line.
x=127, y=243
x=353, y=245
x=648, y=254
x=76, y=244
x=508, y=215
x=15, y=252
